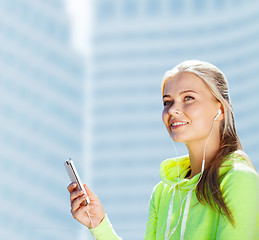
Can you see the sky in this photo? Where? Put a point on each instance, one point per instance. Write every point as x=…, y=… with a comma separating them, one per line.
x=79, y=12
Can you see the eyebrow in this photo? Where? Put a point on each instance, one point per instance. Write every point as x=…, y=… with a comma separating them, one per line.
x=185, y=91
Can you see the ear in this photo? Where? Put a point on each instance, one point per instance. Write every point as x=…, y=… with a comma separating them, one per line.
x=222, y=114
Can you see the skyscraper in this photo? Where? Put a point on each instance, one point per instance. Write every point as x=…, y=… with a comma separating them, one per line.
x=41, y=119
x=133, y=44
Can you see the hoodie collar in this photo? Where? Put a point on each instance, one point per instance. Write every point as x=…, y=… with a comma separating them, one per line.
x=169, y=170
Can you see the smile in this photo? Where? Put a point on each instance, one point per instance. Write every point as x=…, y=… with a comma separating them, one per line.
x=178, y=124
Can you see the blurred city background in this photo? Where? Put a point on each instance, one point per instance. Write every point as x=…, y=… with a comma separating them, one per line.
x=82, y=79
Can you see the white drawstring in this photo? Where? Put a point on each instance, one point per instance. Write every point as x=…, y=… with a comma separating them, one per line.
x=170, y=213
x=173, y=231
x=185, y=214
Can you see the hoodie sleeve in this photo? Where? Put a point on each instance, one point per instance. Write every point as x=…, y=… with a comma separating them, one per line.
x=241, y=193
x=152, y=215
x=105, y=231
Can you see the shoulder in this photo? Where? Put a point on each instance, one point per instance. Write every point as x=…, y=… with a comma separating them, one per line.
x=158, y=189
x=237, y=171
x=239, y=184
x=161, y=194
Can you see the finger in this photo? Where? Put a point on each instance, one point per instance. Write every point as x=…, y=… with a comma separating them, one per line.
x=90, y=194
x=79, y=214
x=77, y=203
x=72, y=187
x=75, y=195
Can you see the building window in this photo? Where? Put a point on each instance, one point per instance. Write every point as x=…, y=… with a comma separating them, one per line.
x=176, y=6
x=199, y=5
x=105, y=10
x=153, y=7
x=130, y=8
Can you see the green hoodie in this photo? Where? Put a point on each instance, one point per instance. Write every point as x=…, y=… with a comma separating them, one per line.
x=175, y=213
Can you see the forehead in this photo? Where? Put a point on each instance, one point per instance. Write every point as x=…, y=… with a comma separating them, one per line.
x=185, y=81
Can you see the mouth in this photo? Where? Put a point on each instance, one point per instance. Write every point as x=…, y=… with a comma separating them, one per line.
x=179, y=124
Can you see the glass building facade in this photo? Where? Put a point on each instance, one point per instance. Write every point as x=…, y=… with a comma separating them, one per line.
x=41, y=119
x=133, y=44
x=110, y=124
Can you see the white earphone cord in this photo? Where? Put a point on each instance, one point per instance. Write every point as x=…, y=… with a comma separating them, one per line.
x=91, y=224
x=177, y=157
x=202, y=170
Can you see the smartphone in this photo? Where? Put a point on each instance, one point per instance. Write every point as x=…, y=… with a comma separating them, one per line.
x=74, y=177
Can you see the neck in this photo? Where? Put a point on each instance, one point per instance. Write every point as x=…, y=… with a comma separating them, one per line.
x=196, y=152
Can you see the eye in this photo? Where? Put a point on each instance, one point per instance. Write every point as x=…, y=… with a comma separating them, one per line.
x=166, y=103
x=188, y=98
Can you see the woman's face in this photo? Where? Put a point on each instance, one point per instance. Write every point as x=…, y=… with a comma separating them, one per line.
x=189, y=108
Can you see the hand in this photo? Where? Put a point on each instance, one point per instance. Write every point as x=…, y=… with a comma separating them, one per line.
x=80, y=212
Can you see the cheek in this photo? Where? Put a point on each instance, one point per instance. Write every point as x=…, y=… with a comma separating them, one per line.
x=165, y=116
x=193, y=112
x=199, y=116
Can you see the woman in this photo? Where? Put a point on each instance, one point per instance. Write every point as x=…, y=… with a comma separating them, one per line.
x=213, y=192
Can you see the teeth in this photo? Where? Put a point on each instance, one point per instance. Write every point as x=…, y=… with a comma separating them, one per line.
x=178, y=123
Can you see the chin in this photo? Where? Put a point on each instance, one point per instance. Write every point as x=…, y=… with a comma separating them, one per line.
x=179, y=138
x=176, y=138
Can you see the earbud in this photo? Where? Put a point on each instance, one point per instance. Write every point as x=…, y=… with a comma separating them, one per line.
x=219, y=112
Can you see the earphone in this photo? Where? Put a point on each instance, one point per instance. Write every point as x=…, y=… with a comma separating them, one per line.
x=219, y=112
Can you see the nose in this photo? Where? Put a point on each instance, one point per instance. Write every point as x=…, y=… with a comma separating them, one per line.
x=174, y=110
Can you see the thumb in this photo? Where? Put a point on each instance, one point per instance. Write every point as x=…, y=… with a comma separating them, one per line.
x=90, y=194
